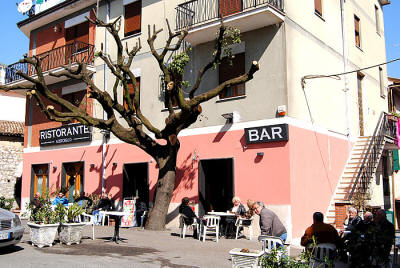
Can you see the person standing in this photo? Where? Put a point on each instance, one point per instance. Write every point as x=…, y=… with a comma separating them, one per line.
x=270, y=224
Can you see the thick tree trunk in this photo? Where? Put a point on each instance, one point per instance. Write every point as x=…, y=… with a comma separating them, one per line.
x=163, y=194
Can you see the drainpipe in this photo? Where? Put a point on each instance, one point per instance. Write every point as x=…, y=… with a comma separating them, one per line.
x=105, y=80
x=346, y=79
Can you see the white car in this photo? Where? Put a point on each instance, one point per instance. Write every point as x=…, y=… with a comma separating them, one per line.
x=11, y=230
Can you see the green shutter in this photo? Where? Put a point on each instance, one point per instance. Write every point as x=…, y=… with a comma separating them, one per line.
x=38, y=2
x=396, y=160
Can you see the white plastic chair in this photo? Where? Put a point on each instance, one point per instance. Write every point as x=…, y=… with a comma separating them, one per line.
x=239, y=224
x=210, y=224
x=272, y=242
x=185, y=226
x=88, y=220
x=323, y=252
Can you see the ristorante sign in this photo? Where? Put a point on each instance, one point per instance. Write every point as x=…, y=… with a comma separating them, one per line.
x=267, y=133
x=65, y=134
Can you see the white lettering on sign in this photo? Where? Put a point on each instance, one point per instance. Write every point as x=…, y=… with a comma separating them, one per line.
x=253, y=135
x=267, y=133
x=276, y=131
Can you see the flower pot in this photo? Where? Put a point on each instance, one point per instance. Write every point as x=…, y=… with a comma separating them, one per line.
x=71, y=233
x=42, y=234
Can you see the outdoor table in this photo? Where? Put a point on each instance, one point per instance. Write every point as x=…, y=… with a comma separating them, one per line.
x=223, y=214
x=118, y=215
x=245, y=259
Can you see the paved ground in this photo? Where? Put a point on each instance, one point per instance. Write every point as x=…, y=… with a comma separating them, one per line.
x=141, y=249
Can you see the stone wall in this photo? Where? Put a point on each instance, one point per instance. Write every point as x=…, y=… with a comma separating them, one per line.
x=10, y=157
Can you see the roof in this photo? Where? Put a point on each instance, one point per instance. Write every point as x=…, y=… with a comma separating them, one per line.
x=11, y=128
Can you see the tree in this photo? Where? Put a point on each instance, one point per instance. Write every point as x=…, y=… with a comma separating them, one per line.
x=139, y=125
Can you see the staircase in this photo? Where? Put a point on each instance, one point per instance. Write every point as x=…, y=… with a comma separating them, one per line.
x=361, y=165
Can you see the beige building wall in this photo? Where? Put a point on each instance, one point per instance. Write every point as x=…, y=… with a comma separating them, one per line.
x=314, y=47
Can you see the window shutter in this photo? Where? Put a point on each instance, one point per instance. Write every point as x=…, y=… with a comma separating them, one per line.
x=396, y=165
x=318, y=7
x=357, y=24
x=229, y=7
x=133, y=18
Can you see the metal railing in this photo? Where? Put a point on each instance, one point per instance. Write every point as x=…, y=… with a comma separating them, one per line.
x=68, y=54
x=199, y=11
x=384, y=128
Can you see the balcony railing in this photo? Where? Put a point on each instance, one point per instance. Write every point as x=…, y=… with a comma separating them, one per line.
x=68, y=54
x=195, y=12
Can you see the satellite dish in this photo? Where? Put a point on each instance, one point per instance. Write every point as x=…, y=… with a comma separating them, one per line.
x=24, y=6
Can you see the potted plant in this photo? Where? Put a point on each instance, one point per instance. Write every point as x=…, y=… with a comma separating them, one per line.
x=43, y=222
x=70, y=228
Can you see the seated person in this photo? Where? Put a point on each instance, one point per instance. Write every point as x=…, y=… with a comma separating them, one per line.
x=187, y=212
x=140, y=209
x=239, y=211
x=354, y=221
x=249, y=213
x=60, y=199
x=270, y=224
x=103, y=205
x=83, y=200
x=323, y=233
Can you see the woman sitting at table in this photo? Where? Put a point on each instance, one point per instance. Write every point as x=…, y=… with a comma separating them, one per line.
x=188, y=215
x=239, y=210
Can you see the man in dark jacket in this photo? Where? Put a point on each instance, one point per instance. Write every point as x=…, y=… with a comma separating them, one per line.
x=269, y=222
x=384, y=235
x=103, y=205
x=188, y=215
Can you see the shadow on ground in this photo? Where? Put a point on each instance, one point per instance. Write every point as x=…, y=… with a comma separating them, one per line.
x=10, y=249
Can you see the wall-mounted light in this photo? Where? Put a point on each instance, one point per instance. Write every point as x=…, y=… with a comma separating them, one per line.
x=115, y=164
x=57, y=28
x=282, y=110
x=195, y=155
x=91, y=165
x=260, y=153
x=54, y=168
x=228, y=117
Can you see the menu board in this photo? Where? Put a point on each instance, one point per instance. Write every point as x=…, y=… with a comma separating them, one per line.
x=129, y=207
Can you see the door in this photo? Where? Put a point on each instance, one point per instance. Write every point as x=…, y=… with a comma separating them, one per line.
x=40, y=179
x=136, y=181
x=73, y=180
x=216, y=185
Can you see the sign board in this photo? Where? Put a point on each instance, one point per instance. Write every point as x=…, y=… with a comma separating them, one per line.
x=267, y=134
x=65, y=134
x=42, y=5
x=129, y=207
x=24, y=6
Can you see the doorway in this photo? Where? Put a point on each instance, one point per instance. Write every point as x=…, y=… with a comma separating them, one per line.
x=72, y=180
x=136, y=181
x=216, y=185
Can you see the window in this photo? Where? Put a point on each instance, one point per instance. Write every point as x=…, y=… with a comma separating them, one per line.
x=381, y=85
x=40, y=181
x=72, y=180
x=228, y=71
x=132, y=91
x=133, y=14
x=318, y=7
x=377, y=20
x=78, y=99
x=77, y=40
x=357, y=31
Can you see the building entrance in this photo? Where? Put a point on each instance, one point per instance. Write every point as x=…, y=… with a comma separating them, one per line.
x=136, y=181
x=216, y=187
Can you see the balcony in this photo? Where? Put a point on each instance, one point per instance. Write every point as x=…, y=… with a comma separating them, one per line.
x=52, y=61
x=203, y=17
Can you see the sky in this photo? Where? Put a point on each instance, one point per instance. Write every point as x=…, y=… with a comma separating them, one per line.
x=15, y=44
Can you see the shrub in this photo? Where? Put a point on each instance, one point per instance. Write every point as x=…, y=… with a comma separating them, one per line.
x=6, y=203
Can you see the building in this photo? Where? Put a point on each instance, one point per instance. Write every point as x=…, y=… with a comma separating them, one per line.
x=282, y=138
